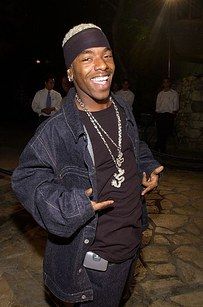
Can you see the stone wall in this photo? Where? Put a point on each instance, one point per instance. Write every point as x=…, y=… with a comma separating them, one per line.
x=189, y=121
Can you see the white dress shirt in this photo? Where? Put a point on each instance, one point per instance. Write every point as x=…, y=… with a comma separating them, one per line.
x=167, y=101
x=128, y=96
x=40, y=98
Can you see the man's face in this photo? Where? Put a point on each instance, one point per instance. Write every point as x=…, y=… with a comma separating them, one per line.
x=92, y=71
x=49, y=84
x=125, y=85
x=166, y=84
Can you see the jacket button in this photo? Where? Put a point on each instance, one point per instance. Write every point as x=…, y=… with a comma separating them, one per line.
x=80, y=270
x=83, y=297
x=86, y=241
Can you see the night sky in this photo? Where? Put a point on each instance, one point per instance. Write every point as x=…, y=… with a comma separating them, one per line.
x=34, y=30
x=31, y=31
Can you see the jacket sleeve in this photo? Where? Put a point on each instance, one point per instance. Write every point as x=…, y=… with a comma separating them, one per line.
x=58, y=101
x=58, y=210
x=146, y=159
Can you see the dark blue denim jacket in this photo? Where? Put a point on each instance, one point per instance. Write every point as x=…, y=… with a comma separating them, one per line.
x=55, y=169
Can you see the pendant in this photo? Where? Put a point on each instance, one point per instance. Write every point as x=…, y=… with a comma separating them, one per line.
x=119, y=178
x=120, y=159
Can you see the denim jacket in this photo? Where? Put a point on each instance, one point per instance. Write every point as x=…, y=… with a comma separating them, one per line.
x=55, y=169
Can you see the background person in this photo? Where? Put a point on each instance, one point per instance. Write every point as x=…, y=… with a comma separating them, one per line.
x=46, y=101
x=81, y=177
x=126, y=93
x=167, y=105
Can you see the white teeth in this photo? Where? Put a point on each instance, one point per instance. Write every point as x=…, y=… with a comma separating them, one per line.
x=100, y=79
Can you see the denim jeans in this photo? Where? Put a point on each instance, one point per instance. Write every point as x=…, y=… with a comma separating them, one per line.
x=108, y=286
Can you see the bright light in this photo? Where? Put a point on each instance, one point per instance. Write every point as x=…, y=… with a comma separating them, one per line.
x=37, y=61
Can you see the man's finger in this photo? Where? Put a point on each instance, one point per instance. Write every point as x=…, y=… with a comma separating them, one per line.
x=88, y=192
x=149, y=188
x=144, y=178
x=158, y=170
x=102, y=205
x=146, y=190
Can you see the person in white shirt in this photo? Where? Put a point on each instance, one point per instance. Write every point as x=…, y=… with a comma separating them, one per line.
x=167, y=105
x=46, y=101
x=126, y=93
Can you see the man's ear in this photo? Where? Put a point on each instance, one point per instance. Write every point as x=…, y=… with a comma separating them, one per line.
x=70, y=74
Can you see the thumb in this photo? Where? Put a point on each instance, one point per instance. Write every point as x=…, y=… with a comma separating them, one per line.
x=144, y=178
x=88, y=192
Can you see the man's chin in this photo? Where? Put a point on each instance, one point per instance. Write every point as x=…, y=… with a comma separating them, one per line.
x=102, y=95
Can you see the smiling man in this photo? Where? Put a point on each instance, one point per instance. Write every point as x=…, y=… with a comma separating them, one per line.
x=83, y=177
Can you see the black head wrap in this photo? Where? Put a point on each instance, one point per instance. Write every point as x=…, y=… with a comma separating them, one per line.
x=88, y=38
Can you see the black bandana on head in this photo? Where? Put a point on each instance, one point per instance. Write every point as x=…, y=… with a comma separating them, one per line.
x=88, y=38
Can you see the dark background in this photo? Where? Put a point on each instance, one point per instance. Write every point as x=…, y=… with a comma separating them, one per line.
x=137, y=30
x=31, y=31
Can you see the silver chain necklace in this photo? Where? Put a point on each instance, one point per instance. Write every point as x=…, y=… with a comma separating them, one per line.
x=118, y=177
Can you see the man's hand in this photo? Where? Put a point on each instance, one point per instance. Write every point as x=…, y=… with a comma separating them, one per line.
x=152, y=181
x=101, y=205
x=46, y=110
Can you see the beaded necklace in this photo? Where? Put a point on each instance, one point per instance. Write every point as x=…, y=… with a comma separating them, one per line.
x=118, y=161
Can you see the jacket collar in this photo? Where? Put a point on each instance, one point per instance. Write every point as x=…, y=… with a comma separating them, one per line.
x=123, y=104
x=71, y=115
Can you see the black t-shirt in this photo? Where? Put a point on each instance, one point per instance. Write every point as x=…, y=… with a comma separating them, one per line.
x=119, y=227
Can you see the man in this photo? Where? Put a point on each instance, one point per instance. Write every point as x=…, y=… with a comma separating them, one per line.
x=167, y=105
x=126, y=93
x=46, y=101
x=81, y=178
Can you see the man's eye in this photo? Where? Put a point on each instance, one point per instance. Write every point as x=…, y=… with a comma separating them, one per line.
x=108, y=56
x=86, y=59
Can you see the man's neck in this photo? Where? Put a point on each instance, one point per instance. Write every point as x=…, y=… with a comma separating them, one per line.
x=167, y=89
x=92, y=105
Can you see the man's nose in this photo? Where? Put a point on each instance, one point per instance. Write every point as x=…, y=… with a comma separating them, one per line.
x=100, y=63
